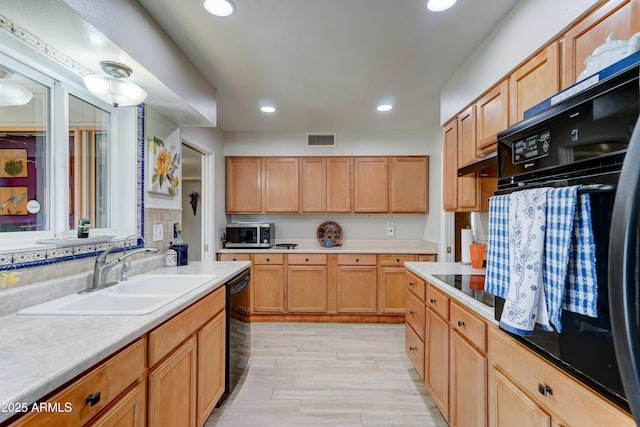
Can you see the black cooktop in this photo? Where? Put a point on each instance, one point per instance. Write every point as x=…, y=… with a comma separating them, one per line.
x=470, y=284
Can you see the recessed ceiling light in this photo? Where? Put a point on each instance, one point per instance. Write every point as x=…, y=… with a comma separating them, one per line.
x=384, y=107
x=439, y=5
x=219, y=7
x=268, y=109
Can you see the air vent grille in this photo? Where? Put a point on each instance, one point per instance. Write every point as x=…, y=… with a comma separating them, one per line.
x=321, y=139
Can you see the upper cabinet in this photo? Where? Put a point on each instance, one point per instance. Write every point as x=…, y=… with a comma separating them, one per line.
x=492, y=115
x=533, y=82
x=281, y=190
x=450, y=166
x=621, y=17
x=378, y=184
x=409, y=184
x=467, y=136
x=244, y=179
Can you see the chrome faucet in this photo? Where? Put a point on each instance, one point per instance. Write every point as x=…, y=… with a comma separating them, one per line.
x=101, y=268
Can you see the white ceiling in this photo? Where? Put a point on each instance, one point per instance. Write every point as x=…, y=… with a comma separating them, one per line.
x=326, y=64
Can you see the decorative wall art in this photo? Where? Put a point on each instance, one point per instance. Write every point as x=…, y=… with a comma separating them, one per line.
x=194, y=196
x=13, y=200
x=13, y=163
x=165, y=165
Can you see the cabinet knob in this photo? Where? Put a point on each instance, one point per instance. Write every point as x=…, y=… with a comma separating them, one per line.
x=412, y=284
x=357, y=259
x=234, y=259
x=461, y=323
x=433, y=300
x=397, y=260
x=412, y=312
x=544, y=389
x=268, y=259
x=93, y=399
x=306, y=259
x=412, y=348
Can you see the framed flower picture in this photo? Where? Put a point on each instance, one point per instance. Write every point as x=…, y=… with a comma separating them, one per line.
x=13, y=163
x=164, y=163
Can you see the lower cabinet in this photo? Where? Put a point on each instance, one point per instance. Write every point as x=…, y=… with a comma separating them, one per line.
x=129, y=411
x=267, y=284
x=211, y=366
x=436, y=360
x=356, y=285
x=307, y=283
x=391, y=283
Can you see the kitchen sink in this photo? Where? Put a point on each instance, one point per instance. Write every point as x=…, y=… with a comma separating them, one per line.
x=139, y=295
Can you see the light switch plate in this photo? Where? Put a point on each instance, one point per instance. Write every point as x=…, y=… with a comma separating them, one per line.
x=157, y=232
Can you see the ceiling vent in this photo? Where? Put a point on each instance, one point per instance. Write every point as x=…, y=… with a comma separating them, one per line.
x=321, y=139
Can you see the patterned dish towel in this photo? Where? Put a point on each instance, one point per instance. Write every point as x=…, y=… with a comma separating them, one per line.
x=582, y=284
x=525, y=304
x=561, y=209
x=497, y=272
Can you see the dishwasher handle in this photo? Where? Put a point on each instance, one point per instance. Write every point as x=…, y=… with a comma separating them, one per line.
x=239, y=282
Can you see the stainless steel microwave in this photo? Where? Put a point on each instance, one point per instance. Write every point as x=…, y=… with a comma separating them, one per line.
x=250, y=235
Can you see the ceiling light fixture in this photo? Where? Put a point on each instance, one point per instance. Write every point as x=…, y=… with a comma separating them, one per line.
x=12, y=94
x=114, y=88
x=384, y=107
x=219, y=7
x=439, y=5
x=268, y=109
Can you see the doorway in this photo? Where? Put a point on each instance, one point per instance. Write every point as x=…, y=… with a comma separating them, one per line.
x=192, y=203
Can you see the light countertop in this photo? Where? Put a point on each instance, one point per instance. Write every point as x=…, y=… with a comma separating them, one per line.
x=389, y=246
x=40, y=353
x=426, y=270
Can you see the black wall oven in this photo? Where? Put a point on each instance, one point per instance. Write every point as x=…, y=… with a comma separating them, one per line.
x=582, y=140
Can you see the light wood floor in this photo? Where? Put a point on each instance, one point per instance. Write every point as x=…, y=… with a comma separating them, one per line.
x=328, y=374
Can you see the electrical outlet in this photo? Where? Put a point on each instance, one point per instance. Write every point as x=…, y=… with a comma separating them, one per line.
x=157, y=232
x=391, y=230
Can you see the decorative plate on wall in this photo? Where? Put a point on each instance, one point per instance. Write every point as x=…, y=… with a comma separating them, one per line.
x=329, y=230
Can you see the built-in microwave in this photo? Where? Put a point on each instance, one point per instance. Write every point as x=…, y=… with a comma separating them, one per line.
x=250, y=235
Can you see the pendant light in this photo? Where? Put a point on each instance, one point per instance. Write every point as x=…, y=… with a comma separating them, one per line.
x=114, y=88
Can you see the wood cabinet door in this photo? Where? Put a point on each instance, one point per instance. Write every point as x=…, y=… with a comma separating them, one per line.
x=468, y=385
x=450, y=167
x=437, y=360
x=211, y=340
x=533, y=82
x=314, y=184
x=268, y=288
x=621, y=17
x=281, y=188
x=509, y=406
x=409, y=184
x=467, y=136
x=391, y=286
x=129, y=411
x=356, y=289
x=307, y=289
x=414, y=347
x=172, y=388
x=492, y=116
x=370, y=184
x=338, y=184
x=469, y=187
x=244, y=185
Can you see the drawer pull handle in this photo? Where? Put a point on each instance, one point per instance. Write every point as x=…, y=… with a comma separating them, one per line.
x=412, y=348
x=93, y=399
x=461, y=323
x=412, y=284
x=412, y=312
x=544, y=389
x=433, y=300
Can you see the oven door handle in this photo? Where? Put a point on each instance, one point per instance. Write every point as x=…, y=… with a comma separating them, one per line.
x=623, y=278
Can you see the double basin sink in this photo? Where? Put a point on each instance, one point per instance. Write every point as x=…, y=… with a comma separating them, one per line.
x=139, y=295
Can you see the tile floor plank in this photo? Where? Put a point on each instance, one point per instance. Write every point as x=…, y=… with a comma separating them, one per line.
x=328, y=374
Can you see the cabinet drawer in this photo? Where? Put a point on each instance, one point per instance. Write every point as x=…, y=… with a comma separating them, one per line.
x=438, y=302
x=571, y=401
x=415, y=314
x=396, y=259
x=104, y=383
x=417, y=286
x=167, y=336
x=357, y=259
x=307, y=259
x=268, y=258
x=428, y=258
x=234, y=257
x=469, y=326
x=414, y=348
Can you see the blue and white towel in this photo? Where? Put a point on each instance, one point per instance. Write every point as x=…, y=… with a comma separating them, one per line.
x=525, y=305
x=561, y=208
x=497, y=273
x=582, y=286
